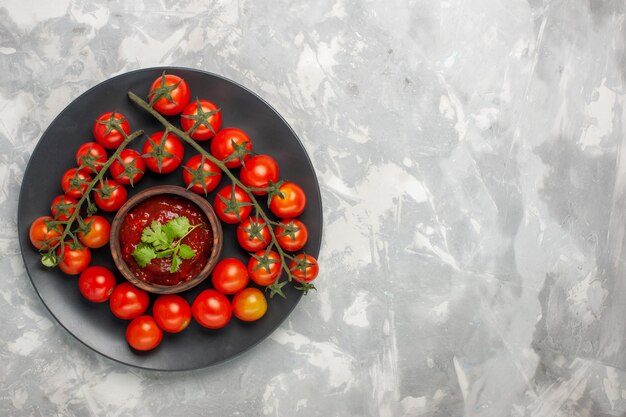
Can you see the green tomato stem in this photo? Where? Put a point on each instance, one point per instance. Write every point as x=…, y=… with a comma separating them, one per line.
x=85, y=197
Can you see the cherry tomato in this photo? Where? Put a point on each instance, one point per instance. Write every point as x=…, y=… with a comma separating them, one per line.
x=63, y=207
x=91, y=157
x=292, y=203
x=249, y=304
x=128, y=168
x=128, y=301
x=143, y=333
x=258, y=172
x=75, y=259
x=169, y=94
x=74, y=182
x=253, y=234
x=304, y=268
x=264, y=267
x=98, y=234
x=163, y=156
x=229, y=276
x=110, y=195
x=96, y=284
x=230, y=145
x=201, y=175
x=291, y=234
x=172, y=313
x=105, y=129
x=232, y=207
x=211, y=309
x=198, y=116
x=42, y=235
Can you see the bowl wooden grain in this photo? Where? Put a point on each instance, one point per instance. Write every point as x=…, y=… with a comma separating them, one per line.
x=206, y=208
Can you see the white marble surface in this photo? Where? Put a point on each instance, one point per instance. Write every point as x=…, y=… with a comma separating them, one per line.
x=473, y=169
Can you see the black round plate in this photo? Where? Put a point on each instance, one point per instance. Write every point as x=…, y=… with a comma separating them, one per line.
x=93, y=324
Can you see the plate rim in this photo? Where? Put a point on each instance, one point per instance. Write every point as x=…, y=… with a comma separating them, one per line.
x=20, y=219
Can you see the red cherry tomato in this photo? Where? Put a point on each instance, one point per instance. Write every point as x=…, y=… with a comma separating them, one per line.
x=96, y=284
x=110, y=195
x=169, y=94
x=129, y=168
x=232, y=209
x=230, y=145
x=264, y=267
x=304, y=268
x=128, y=301
x=91, y=157
x=74, y=182
x=291, y=204
x=211, y=309
x=291, y=234
x=258, y=172
x=253, y=234
x=229, y=276
x=73, y=259
x=42, y=234
x=98, y=234
x=201, y=175
x=249, y=304
x=172, y=313
x=105, y=129
x=206, y=114
x=163, y=156
x=63, y=207
x=143, y=333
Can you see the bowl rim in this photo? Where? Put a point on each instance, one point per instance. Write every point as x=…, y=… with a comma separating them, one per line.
x=202, y=203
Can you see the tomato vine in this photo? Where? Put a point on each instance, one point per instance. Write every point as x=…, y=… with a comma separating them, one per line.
x=276, y=287
x=49, y=256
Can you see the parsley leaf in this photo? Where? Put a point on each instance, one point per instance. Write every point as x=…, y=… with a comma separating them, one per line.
x=178, y=227
x=185, y=251
x=155, y=236
x=165, y=240
x=144, y=254
x=175, y=263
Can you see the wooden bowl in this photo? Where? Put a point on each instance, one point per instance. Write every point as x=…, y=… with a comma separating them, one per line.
x=199, y=201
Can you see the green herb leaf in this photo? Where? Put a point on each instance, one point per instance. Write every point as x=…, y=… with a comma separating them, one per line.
x=155, y=236
x=175, y=263
x=185, y=251
x=178, y=227
x=144, y=254
x=164, y=241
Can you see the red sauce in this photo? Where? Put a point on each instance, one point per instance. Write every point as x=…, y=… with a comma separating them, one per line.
x=162, y=209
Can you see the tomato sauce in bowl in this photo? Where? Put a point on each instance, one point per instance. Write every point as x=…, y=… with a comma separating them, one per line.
x=164, y=203
x=163, y=208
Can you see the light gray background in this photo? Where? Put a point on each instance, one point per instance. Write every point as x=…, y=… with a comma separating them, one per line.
x=473, y=170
